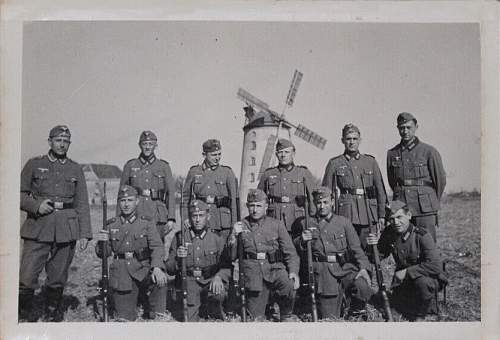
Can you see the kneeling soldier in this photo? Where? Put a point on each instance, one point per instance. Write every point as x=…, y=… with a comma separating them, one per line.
x=270, y=261
x=418, y=273
x=340, y=265
x=137, y=255
x=208, y=271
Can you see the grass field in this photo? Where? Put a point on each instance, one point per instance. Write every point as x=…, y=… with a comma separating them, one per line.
x=458, y=241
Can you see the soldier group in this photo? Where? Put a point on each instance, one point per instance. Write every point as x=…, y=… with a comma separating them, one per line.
x=340, y=222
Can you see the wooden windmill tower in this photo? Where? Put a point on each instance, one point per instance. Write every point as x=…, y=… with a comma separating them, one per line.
x=262, y=129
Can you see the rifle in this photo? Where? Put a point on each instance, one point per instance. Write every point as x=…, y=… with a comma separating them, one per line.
x=183, y=264
x=310, y=267
x=376, y=256
x=104, y=268
x=335, y=195
x=241, y=278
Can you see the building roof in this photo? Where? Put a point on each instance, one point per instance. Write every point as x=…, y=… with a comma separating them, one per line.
x=102, y=171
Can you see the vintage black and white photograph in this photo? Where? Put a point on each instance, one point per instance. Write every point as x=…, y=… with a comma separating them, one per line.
x=224, y=171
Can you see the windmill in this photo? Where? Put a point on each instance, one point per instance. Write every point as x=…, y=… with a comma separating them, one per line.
x=264, y=126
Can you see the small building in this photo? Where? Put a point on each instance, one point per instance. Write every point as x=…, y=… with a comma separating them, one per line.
x=98, y=174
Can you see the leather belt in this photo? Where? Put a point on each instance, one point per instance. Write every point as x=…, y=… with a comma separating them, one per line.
x=205, y=272
x=414, y=182
x=300, y=199
x=340, y=258
x=141, y=255
x=154, y=194
x=276, y=256
x=218, y=201
x=62, y=205
x=369, y=191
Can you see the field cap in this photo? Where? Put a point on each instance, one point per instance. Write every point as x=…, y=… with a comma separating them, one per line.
x=147, y=135
x=256, y=195
x=59, y=131
x=405, y=117
x=350, y=128
x=197, y=205
x=394, y=207
x=126, y=191
x=211, y=145
x=321, y=192
x=284, y=144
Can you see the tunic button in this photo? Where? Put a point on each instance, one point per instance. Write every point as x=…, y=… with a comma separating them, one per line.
x=198, y=248
x=261, y=263
x=128, y=262
x=126, y=243
x=208, y=186
x=197, y=259
x=147, y=180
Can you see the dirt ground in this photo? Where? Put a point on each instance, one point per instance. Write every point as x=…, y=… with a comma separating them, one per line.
x=458, y=241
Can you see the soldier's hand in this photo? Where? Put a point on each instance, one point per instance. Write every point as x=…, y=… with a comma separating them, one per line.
x=307, y=235
x=159, y=277
x=400, y=275
x=46, y=207
x=364, y=274
x=216, y=285
x=169, y=227
x=102, y=235
x=237, y=228
x=83, y=243
x=295, y=278
x=182, y=252
x=380, y=224
x=372, y=239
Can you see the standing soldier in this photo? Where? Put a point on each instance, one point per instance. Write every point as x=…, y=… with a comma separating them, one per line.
x=215, y=185
x=340, y=265
x=416, y=175
x=137, y=252
x=54, y=194
x=208, y=267
x=418, y=274
x=284, y=185
x=270, y=262
x=153, y=180
x=353, y=177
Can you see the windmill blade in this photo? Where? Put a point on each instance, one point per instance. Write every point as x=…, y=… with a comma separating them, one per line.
x=294, y=87
x=268, y=154
x=310, y=136
x=251, y=100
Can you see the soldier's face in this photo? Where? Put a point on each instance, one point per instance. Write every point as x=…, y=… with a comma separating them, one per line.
x=400, y=221
x=199, y=219
x=147, y=147
x=257, y=210
x=59, y=145
x=407, y=130
x=285, y=156
x=324, y=206
x=351, y=142
x=128, y=204
x=213, y=158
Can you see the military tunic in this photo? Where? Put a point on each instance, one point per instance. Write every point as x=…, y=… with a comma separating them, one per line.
x=206, y=259
x=154, y=181
x=137, y=248
x=417, y=177
x=415, y=251
x=337, y=258
x=216, y=186
x=284, y=187
x=62, y=181
x=269, y=257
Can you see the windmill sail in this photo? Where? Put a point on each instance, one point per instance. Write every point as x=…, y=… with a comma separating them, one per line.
x=309, y=136
x=294, y=87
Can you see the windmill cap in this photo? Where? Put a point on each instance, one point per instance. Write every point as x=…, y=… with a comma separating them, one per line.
x=284, y=144
x=211, y=145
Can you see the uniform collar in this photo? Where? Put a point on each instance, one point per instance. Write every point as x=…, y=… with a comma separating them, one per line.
x=205, y=166
x=130, y=218
x=200, y=235
x=52, y=158
x=288, y=167
x=254, y=223
x=145, y=160
x=411, y=144
x=327, y=218
x=349, y=157
x=407, y=233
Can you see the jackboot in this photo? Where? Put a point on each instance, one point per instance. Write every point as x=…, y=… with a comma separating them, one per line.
x=53, y=304
x=286, y=308
x=25, y=306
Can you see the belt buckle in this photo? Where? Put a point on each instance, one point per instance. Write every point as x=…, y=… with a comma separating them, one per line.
x=359, y=191
x=285, y=199
x=129, y=254
x=261, y=256
x=197, y=273
x=331, y=258
x=210, y=199
x=146, y=192
x=58, y=205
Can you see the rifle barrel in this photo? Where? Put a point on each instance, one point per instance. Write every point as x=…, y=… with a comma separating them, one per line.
x=105, y=269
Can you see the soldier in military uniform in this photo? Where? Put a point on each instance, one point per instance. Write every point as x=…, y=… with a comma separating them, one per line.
x=340, y=265
x=418, y=274
x=270, y=262
x=215, y=185
x=207, y=264
x=353, y=177
x=416, y=175
x=138, y=255
x=54, y=194
x=152, y=177
x=284, y=185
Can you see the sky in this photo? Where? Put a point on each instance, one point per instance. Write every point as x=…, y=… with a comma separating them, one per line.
x=108, y=81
